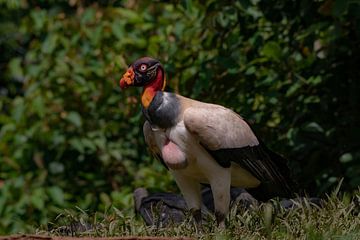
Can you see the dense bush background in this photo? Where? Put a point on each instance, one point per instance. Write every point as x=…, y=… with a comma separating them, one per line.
x=69, y=137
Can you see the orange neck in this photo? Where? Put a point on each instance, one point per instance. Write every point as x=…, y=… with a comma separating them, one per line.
x=150, y=90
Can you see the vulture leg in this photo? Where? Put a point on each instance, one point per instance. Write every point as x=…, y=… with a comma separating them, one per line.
x=221, y=193
x=192, y=193
x=220, y=182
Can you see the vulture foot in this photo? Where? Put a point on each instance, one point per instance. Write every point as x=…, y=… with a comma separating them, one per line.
x=220, y=219
x=196, y=213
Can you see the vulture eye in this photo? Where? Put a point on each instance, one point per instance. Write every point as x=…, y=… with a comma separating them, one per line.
x=142, y=67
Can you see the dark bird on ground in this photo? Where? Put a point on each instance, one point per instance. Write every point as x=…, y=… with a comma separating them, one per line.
x=159, y=209
x=163, y=209
x=203, y=143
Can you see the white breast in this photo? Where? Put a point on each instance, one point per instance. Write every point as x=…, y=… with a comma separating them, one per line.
x=187, y=144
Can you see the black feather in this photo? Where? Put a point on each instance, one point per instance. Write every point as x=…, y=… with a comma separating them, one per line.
x=267, y=166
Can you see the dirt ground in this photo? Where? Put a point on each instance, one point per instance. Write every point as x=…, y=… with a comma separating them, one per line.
x=38, y=237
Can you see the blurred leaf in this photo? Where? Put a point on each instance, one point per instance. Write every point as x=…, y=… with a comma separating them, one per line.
x=313, y=127
x=314, y=80
x=15, y=68
x=76, y=143
x=57, y=195
x=37, y=198
x=39, y=107
x=130, y=15
x=293, y=88
x=346, y=157
x=105, y=199
x=18, y=109
x=74, y=118
x=117, y=29
x=88, y=144
x=56, y=167
x=272, y=50
x=50, y=43
x=39, y=18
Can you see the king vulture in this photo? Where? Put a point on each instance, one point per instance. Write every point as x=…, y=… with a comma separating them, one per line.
x=203, y=143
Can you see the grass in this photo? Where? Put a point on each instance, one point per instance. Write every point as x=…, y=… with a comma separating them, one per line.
x=337, y=218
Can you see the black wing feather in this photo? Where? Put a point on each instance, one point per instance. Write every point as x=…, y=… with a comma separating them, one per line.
x=267, y=166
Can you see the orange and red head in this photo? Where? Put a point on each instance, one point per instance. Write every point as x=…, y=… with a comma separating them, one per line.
x=148, y=73
x=143, y=72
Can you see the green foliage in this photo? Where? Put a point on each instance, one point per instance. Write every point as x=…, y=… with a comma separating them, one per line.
x=69, y=137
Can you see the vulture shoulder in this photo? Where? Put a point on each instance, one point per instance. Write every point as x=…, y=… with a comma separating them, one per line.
x=218, y=127
x=228, y=138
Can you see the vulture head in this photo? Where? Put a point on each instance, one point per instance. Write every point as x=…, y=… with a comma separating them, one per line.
x=144, y=72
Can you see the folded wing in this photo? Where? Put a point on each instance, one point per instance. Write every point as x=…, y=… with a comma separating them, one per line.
x=228, y=138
